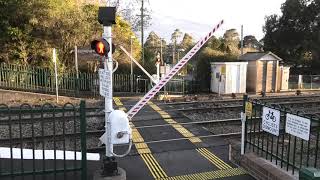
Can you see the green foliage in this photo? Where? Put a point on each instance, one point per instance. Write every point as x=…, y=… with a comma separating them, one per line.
x=251, y=42
x=123, y=35
x=295, y=36
x=187, y=42
x=30, y=29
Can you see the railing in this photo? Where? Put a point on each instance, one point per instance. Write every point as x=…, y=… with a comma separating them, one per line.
x=304, y=82
x=42, y=80
x=45, y=142
x=289, y=151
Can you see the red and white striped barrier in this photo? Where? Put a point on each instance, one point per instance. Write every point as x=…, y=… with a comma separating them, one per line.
x=136, y=108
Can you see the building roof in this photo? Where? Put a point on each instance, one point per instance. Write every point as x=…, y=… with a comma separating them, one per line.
x=254, y=56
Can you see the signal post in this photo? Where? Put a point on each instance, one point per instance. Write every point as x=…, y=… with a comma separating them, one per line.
x=117, y=128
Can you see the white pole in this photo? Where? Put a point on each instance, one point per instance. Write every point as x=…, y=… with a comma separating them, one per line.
x=56, y=73
x=76, y=60
x=161, y=52
x=243, y=123
x=158, y=71
x=108, y=67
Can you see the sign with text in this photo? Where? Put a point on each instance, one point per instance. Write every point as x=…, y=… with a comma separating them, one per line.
x=105, y=83
x=298, y=126
x=271, y=121
x=248, y=109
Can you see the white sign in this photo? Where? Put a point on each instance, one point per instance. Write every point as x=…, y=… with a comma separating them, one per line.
x=298, y=126
x=271, y=121
x=105, y=83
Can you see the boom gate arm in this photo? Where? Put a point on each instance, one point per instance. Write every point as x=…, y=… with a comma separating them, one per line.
x=135, y=61
x=136, y=108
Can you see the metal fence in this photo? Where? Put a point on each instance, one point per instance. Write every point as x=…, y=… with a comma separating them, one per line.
x=45, y=142
x=42, y=80
x=286, y=150
x=304, y=82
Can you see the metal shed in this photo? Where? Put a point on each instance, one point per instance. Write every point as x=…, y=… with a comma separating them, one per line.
x=228, y=77
x=263, y=71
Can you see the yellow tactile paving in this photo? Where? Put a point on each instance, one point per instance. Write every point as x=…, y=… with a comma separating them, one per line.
x=213, y=158
x=209, y=175
x=143, y=149
x=186, y=133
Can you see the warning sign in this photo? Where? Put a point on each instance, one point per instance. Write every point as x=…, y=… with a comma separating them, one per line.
x=223, y=70
x=105, y=83
x=271, y=120
x=248, y=109
x=298, y=126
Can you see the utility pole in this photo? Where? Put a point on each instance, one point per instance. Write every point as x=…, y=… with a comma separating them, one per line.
x=131, y=66
x=142, y=15
x=142, y=39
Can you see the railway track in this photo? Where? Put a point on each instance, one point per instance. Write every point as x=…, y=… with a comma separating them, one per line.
x=229, y=127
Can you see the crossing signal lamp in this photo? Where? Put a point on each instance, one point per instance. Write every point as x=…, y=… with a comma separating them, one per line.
x=101, y=47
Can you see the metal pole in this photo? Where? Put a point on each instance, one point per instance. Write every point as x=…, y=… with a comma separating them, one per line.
x=83, y=127
x=77, y=69
x=131, y=65
x=76, y=60
x=56, y=73
x=142, y=44
x=161, y=52
x=243, y=124
x=108, y=66
x=158, y=71
x=173, y=52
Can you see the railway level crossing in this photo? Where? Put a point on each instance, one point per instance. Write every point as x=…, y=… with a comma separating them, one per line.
x=117, y=130
x=190, y=158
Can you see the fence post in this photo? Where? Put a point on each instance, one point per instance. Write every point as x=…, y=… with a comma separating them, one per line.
x=243, y=124
x=83, y=125
x=311, y=81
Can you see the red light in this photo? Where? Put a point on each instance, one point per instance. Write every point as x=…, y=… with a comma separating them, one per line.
x=100, y=48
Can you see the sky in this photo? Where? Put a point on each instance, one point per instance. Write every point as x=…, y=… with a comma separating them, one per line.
x=199, y=17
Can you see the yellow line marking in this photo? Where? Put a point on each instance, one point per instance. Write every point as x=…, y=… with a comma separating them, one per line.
x=210, y=175
x=186, y=133
x=143, y=149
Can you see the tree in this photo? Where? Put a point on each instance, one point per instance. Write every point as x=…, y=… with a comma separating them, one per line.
x=152, y=47
x=28, y=36
x=122, y=33
x=17, y=25
x=215, y=43
x=231, y=42
x=231, y=37
x=250, y=41
x=294, y=36
x=187, y=42
x=153, y=40
x=174, y=38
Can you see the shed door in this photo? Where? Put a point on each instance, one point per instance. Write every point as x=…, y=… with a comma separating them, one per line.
x=238, y=79
x=264, y=76
x=270, y=86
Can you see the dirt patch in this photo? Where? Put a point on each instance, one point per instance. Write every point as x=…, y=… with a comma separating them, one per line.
x=16, y=98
